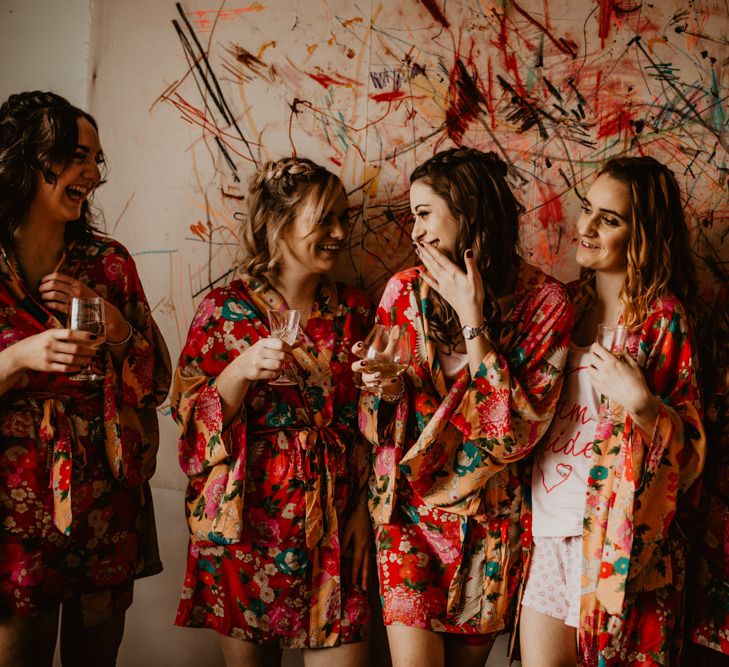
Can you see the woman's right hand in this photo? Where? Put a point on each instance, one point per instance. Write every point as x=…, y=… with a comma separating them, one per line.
x=373, y=381
x=54, y=351
x=263, y=360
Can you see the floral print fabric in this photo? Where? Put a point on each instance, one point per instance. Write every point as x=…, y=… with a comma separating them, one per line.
x=75, y=456
x=445, y=493
x=633, y=546
x=271, y=492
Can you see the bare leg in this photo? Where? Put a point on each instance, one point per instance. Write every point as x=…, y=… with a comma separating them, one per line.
x=28, y=641
x=239, y=653
x=546, y=641
x=345, y=655
x=466, y=655
x=415, y=647
x=95, y=646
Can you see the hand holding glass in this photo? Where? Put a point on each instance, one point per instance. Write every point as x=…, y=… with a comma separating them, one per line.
x=284, y=325
x=613, y=339
x=387, y=352
x=88, y=315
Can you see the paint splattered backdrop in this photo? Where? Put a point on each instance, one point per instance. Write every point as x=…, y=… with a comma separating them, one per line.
x=191, y=97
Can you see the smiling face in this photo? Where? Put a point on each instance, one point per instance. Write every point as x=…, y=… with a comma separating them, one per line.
x=62, y=200
x=604, y=226
x=434, y=222
x=312, y=246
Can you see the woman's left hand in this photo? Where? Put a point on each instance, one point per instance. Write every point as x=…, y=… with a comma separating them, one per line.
x=463, y=290
x=621, y=380
x=358, y=533
x=57, y=290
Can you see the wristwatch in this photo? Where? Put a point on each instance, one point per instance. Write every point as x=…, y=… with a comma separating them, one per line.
x=470, y=333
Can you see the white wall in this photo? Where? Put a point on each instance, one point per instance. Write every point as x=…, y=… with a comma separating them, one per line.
x=44, y=46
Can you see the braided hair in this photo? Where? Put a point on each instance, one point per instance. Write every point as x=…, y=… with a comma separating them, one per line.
x=277, y=194
x=473, y=185
x=38, y=138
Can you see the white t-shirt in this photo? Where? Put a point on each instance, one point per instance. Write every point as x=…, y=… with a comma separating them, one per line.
x=561, y=467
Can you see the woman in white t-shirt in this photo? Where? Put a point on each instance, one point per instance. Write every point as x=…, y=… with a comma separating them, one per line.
x=608, y=495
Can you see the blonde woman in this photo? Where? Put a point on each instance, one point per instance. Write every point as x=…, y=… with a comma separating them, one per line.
x=276, y=501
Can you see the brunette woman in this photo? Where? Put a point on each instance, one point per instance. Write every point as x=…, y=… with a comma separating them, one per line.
x=488, y=334
x=75, y=456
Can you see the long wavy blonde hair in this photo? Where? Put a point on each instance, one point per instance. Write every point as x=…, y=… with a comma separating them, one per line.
x=658, y=254
x=279, y=192
x=473, y=185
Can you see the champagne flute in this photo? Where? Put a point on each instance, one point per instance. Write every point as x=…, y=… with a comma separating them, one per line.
x=88, y=315
x=613, y=339
x=284, y=325
x=387, y=351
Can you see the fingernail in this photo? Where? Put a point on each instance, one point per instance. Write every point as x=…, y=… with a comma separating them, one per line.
x=93, y=336
x=415, y=245
x=363, y=363
x=378, y=376
x=417, y=271
x=469, y=254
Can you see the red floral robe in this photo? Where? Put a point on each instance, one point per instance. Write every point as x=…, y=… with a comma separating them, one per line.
x=75, y=456
x=270, y=494
x=445, y=494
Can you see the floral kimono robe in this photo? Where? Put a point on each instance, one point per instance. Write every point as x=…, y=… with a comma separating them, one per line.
x=633, y=561
x=75, y=457
x=445, y=493
x=270, y=494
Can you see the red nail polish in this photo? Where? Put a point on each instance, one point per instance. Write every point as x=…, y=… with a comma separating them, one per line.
x=469, y=254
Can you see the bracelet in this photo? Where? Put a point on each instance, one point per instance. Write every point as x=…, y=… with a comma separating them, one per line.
x=395, y=397
x=124, y=340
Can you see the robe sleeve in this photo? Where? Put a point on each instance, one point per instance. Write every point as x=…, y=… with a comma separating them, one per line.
x=210, y=454
x=499, y=415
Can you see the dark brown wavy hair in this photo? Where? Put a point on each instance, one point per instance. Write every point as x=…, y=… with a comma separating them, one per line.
x=38, y=137
x=277, y=193
x=473, y=185
x=659, y=256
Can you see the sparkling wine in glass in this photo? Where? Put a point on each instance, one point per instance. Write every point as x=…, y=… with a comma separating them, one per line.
x=284, y=325
x=387, y=351
x=88, y=315
x=612, y=338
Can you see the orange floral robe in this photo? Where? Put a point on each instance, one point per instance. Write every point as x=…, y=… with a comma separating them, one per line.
x=445, y=493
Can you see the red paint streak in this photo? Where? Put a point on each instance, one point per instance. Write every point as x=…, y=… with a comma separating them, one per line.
x=436, y=13
x=606, y=14
x=614, y=122
x=464, y=98
x=325, y=80
x=510, y=63
x=549, y=212
x=567, y=47
x=336, y=161
x=392, y=96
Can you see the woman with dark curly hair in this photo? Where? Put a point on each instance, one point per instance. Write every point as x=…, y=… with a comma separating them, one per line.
x=74, y=455
x=488, y=334
x=613, y=483
x=279, y=529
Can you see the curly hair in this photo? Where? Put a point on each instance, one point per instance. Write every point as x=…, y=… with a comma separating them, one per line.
x=658, y=251
x=474, y=187
x=277, y=194
x=38, y=137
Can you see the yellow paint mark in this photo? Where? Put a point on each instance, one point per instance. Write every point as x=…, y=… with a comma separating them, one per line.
x=659, y=40
x=310, y=48
x=372, y=177
x=349, y=22
x=263, y=48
